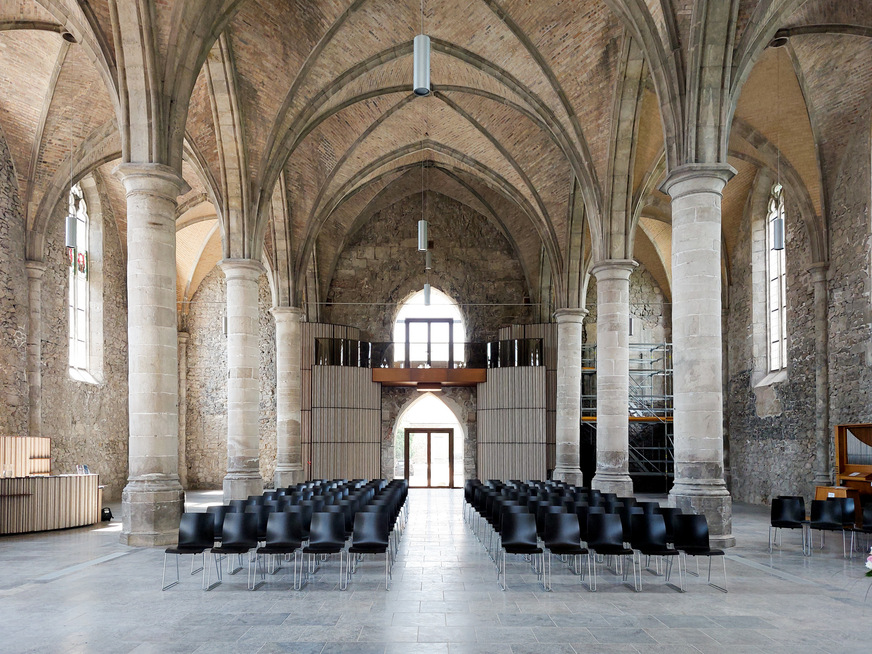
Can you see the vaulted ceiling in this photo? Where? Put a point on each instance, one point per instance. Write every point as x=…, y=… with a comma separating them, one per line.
x=297, y=122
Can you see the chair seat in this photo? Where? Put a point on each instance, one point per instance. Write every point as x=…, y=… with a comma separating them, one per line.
x=522, y=549
x=185, y=549
x=611, y=550
x=368, y=549
x=230, y=549
x=570, y=550
x=787, y=524
x=826, y=526
x=278, y=549
x=659, y=551
x=322, y=550
x=701, y=551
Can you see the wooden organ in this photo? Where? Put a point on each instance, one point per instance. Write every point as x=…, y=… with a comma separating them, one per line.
x=854, y=457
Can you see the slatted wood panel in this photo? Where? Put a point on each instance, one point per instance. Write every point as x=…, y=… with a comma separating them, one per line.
x=27, y=455
x=309, y=332
x=346, y=423
x=42, y=503
x=512, y=424
x=548, y=333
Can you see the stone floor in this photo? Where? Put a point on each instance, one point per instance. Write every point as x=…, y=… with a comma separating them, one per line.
x=81, y=591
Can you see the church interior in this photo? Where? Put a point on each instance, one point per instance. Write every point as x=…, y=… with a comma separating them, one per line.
x=622, y=246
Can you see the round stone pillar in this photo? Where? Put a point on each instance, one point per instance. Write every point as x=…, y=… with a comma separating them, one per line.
x=822, y=469
x=243, y=379
x=697, y=358
x=35, y=271
x=153, y=500
x=568, y=405
x=612, y=376
x=289, y=435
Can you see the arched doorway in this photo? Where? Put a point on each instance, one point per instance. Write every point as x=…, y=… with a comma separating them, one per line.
x=429, y=444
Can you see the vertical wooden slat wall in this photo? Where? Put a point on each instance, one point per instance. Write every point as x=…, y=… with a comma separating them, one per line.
x=548, y=333
x=512, y=424
x=42, y=503
x=27, y=455
x=311, y=331
x=346, y=423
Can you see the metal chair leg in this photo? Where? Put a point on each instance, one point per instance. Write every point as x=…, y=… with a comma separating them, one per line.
x=164, y=585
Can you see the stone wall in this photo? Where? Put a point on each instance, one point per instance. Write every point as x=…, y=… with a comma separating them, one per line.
x=771, y=427
x=850, y=307
x=473, y=264
x=461, y=400
x=652, y=314
x=87, y=422
x=14, y=407
x=206, y=431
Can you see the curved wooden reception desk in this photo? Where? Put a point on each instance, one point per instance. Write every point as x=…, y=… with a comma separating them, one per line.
x=42, y=503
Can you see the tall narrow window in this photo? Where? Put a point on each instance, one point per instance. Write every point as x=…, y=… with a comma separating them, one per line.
x=79, y=314
x=776, y=296
x=429, y=335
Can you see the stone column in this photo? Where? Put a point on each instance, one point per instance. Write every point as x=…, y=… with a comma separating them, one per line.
x=613, y=376
x=183, y=408
x=243, y=379
x=153, y=500
x=568, y=419
x=289, y=435
x=697, y=345
x=822, y=469
x=35, y=270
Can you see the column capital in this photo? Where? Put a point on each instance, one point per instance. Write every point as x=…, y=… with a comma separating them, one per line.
x=35, y=269
x=151, y=178
x=697, y=178
x=183, y=336
x=568, y=314
x=613, y=268
x=819, y=271
x=250, y=269
x=287, y=314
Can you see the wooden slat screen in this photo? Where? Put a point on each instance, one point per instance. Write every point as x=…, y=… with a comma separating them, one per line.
x=27, y=455
x=512, y=424
x=346, y=423
x=42, y=503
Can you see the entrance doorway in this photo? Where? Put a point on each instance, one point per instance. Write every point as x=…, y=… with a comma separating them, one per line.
x=428, y=456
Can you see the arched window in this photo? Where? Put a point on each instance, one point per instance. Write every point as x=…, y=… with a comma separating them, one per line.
x=776, y=295
x=79, y=301
x=429, y=335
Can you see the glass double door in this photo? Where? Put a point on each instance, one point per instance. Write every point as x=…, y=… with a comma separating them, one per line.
x=429, y=458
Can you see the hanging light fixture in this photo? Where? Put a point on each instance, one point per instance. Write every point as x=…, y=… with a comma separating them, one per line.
x=778, y=223
x=428, y=261
x=421, y=72
x=427, y=294
x=71, y=216
x=422, y=235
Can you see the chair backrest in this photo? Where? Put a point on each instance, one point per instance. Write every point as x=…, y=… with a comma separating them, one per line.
x=197, y=530
x=849, y=508
x=800, y=498
x=542, y=511
x=255, y=499
x=669, y=513
x=327, y=529
x=238, y=506
x=218, y=512
x=648, y=507
x=691, y=531
x=562, y=529
x=594, y=497
x=826, y=511
x=239, y=530
x=284, y=529
x=628, y=501
x=370, y=529
x=604, y=529
x=519, y=530
x=626, y=513
x=785, y=510
x=867, y=516
x=648, y=531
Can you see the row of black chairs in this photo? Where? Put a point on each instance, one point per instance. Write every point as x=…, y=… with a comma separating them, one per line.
x=539, y=518
x=835, y=514
x=369, y=521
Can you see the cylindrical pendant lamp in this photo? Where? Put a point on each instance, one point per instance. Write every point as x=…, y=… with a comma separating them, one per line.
x=422, y=236
x=778, y=233
x=421, y=78
x=71, y=231
x=426, y=295
x=428, y=261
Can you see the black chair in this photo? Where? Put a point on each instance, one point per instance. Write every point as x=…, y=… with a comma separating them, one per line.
x=543, y=511
x=648, y=538
x=239, y=537
x=605, y=535
x=262, y=511
x=692, y=539
x=196, y=535
x=786, y=514
x=518, y=536
x=326, y=537
x=371, y=536
x=626, y=513
x=218, y=512
x=305, y=513
x=563, y=538
x=826, y=515
x=238, y=506
x=669, y=513
x=583, y=511
x=283, y=537
x=648, y=508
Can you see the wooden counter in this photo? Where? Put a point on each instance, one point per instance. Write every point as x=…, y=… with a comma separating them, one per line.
x=42, y=503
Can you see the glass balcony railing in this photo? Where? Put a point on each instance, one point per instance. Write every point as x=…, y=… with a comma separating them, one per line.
x=363, y=354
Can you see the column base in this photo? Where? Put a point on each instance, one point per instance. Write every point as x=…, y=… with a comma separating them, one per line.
x=569, y=475
x=711, y=500
x=151, y=511
x=289, y=477
x=239, y=487
x=613, y=482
